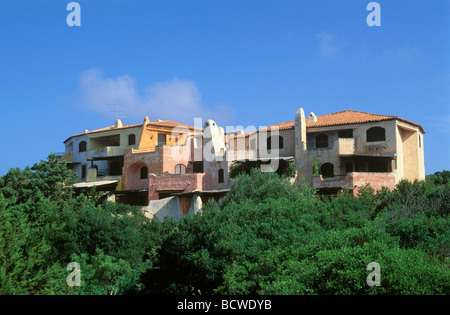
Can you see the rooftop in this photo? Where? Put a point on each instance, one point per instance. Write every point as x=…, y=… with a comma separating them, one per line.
x=119, y=126
x=346, y=117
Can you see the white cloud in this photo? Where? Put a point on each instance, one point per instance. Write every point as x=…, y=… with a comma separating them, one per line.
x=329, y=44
x=176, y=99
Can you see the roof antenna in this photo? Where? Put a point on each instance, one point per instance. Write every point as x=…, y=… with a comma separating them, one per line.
x=117, y=111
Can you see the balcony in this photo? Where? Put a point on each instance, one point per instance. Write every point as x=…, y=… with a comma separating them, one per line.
x=344, y=146
x=319, y=182
x=106, y=152
x=347, y=146
x=100, y=175
x=354, y=180
x=317, y=145
x=68, y=157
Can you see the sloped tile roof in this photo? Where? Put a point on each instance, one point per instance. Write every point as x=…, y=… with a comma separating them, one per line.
x=109, y=128
x=171, y=124
x=160, y=123
x=346, y=117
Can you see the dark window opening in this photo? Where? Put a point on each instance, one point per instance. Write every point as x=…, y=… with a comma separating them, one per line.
x=420, y=141
x=144, y=172
x=327, y=170
x=347, y=133
x=82, y=146
x=131, y=139
x=349, y=167
x=378, y=166
x=197, y=167
x=115, y=169
x=83, y=171
x=165, y=195
x=376, y=134
x=280, y=142
x=221, y=176
x=322, y=141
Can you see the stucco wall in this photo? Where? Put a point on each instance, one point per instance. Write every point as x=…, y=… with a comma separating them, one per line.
x=171, y=182
x=343, y=146
x=356, y=180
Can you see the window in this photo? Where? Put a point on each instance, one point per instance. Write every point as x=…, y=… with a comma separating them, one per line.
x=115, y=168
x=280, y=142
x=83, y=171
x=221, y=176
x=377, y=166
x=180, y=169
x=375, y=134
x=144, y=172
x=420, y=141
x=197, y=167
x=82, y=146
x=327, y=170
x=132, y=139
x=161, y=138
x=347, y=133
x=322, y=141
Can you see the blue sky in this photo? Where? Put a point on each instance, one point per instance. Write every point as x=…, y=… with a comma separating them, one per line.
x=241, y=63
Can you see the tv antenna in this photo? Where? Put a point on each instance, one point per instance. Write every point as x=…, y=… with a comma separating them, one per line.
x=117, y=111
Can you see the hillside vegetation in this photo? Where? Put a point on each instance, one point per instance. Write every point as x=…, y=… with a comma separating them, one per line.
x=265, y=237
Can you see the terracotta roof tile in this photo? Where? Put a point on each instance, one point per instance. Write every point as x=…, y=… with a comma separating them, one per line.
x=160, y=123
x=346, y=117
x=109, y=128
x=171, y=124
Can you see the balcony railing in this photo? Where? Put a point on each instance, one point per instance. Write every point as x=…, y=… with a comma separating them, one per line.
x=313, y=145
x=107, y=152
x=344, y=145
x=356, y=179
x=144, y=149
x=347, y=145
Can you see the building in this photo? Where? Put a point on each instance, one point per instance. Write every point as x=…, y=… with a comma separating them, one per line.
x=173, y=168
x=138, y=164
x=344, y=149
x=97, y=157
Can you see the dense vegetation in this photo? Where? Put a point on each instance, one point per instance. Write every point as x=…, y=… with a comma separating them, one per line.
x=265, y=237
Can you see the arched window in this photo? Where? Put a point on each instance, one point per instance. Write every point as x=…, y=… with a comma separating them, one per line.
x=180, y=169
x=132, y=139
x=322, y=141
x=327, y=170
x=144, y=172
x=82, y=146
x=221, y=175
x=376, y=134
x=270, y=141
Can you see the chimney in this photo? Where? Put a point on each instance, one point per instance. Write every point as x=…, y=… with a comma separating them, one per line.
x=118, y=123
x=312, y=117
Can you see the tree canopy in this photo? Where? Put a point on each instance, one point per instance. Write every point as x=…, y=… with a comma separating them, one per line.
x=267, y=236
